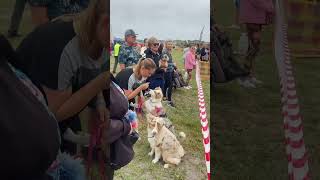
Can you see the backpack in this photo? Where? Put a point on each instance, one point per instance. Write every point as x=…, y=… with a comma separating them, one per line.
x=225, y=66
x=28, y=133
x=178, y=80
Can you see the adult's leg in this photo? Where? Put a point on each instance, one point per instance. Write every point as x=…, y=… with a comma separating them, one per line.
x=166, y=84
x=109, y=170
x=115, y=64
x=254, y=36
x=170, y=85
x=16, y=17
x=189, y=71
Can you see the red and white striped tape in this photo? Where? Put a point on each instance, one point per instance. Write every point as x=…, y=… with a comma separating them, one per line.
x=203, y=120
x=298, y=168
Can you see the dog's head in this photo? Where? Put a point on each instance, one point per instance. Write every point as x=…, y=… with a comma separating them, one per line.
x=156, y=95
x=158, y=125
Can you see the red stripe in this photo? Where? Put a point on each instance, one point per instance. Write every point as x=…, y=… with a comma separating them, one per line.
x=287, y=141
x=205, y=128
x=289, y=157
x=286, y=126
x=308, y=176
x=291, y=176
x=299, y=163
x=296, y=144
x=294, y=117
x=293, y=106
x=206, y=140
x=295, y=130
x=207, y=156
x=292, y=97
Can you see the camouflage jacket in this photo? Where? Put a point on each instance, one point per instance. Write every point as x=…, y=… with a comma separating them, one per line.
x=128, y=55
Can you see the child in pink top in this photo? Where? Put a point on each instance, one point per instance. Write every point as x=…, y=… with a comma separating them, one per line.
x=190, y=63
x=254, y=14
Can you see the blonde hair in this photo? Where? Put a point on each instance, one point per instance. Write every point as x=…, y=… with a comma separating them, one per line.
x=146, y=63
x=86, y=24
x=151, y=41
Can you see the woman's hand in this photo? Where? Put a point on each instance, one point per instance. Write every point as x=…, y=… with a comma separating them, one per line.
x=103, y=113
x=105, y=80
x=144, y=86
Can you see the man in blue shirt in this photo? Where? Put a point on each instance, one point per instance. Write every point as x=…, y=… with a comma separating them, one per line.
x=128, y=55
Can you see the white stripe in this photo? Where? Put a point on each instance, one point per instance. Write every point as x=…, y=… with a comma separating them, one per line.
x=298, y=153
x=300, y=173
x=204, y=124
x=203, y=116
x=205, y=134
x=208, y=167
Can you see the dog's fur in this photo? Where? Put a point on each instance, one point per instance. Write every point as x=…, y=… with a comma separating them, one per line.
x=154, y=104
x=163, y=142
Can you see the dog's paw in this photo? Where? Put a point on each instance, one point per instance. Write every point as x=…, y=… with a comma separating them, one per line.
x=150, y=153
x=166, y=166
x=155, y=161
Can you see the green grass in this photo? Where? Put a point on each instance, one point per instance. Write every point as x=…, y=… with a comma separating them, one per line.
x=185, y=118
x=248, y=127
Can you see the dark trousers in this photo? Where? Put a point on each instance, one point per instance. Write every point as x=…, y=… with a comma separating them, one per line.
x=167, y=90
x=17, y=16
x=109, y=171
x=115, y=64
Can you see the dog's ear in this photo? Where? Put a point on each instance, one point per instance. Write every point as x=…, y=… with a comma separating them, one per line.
x=160, y=124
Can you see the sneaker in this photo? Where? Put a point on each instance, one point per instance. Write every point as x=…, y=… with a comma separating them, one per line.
x=246, y=83
x=255, y=80
x=170, y=103
x=234, y=26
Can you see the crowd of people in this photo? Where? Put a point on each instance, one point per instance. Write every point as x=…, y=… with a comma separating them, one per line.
x=152, y=65
x=61, y=67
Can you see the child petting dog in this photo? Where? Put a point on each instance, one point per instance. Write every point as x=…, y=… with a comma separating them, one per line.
x=144, y=69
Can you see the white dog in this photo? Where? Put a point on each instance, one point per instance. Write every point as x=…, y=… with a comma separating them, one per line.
x=154, y=104
x=163, y=142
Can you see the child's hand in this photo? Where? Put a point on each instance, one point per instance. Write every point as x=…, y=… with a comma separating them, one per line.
x=144, y=86
x=127, y=92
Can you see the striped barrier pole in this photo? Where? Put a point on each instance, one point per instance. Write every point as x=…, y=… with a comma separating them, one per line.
x=203, y=120
x=298, y=168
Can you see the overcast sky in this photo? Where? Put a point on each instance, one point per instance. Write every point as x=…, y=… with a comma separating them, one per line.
x=164, y=19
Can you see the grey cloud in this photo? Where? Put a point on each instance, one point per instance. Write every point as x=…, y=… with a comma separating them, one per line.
x=173, y=19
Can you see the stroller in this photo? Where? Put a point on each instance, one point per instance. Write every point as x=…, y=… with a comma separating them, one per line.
x=178, y=80
x=225, y=66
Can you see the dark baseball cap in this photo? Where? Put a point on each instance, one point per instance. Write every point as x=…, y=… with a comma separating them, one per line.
x=130, y=32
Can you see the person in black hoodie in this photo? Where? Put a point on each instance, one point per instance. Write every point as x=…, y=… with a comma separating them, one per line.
x=29, y=132
x=157, y=79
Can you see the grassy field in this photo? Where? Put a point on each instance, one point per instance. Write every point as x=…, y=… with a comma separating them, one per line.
x=248, y=127
x=184, y=117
